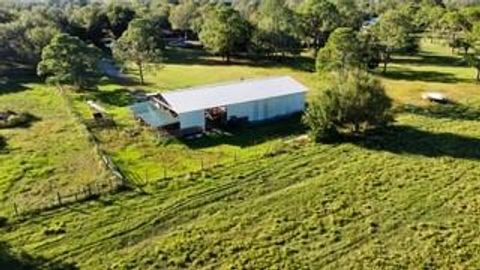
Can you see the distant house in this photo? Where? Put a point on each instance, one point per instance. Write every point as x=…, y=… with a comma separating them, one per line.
x=197, y=109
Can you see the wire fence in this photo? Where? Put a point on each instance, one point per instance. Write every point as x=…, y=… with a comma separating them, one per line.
x=58, y=198
x=125, y=180
x=121, y=179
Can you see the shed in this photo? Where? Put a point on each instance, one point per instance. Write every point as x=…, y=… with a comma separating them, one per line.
x=194, y=109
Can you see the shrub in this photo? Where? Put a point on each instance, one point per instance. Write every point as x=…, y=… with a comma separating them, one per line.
x=353, y=102
x=3, y=221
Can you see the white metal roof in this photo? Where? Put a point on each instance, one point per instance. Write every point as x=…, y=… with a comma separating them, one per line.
x=210, y=96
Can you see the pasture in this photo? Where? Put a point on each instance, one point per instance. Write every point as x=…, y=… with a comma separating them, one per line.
x=50, y=154
x=404, y=198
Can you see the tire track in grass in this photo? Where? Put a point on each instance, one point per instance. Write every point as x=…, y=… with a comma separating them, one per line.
x=362, y=240
x=190, y=202
x=197, y=199
x=171, y=210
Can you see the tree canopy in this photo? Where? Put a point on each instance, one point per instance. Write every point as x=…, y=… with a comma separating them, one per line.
x=141, y=44
x=392, y=32
x=225, y=32
x=69, y=60
x=277, y=29
x=353, y=102
x=119, y=17
x=341, y=51
x=182, y=16
x=319, y=17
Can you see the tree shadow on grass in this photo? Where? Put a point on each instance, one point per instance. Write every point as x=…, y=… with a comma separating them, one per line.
x=120, y=97
x=252, y=134
x=3, y=144
x=20, y=260
x=425, y=76
x=426, y=59
x=409, y=140
x=445, y=111
x=11, y=86
x=199, y=57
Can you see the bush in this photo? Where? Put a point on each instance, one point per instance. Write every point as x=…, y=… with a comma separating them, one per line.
x=352, y=103
x=3, y=221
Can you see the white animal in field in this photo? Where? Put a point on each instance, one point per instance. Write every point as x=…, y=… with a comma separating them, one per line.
x=435, y=97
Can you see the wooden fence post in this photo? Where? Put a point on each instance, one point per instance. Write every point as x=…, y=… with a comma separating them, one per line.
x=201, y=164
x=59, y=198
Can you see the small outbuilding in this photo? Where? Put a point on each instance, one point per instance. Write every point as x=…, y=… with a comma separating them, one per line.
x=194, y=110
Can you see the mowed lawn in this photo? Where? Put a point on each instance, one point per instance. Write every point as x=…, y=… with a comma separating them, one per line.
x=406, y=198
x=52, y=154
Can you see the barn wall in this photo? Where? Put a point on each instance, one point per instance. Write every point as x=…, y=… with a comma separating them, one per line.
x=192, y=119
x=268, y=108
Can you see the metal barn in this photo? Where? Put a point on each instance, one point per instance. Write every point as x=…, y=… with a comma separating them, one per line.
x=193, y=110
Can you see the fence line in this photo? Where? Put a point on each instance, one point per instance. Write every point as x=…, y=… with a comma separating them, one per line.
x=118, y=181
x=121, y=179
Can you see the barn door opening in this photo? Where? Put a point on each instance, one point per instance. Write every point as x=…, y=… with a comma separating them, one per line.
x=215, y=117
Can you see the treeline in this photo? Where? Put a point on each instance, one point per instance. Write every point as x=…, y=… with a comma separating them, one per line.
x=366, y=32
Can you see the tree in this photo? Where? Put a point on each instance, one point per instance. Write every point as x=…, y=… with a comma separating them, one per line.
x=26, y=36
x=5, y=16
x=474, y=58
x=119, y=17
x=392, y=32
x=319, y=18
x=453, y=25
x=277, y=29
x=369, y=49
x=341, y=51
x=182, y=16
x=427, y=18
x=224, y=32
x=353, y=102
x=141, y=44
x=351, y=16
x=247, y=8
x=69, y=60
x=91, y=24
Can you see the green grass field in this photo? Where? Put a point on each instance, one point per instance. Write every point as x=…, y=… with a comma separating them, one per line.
x=407, y=198
x=52, y=154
